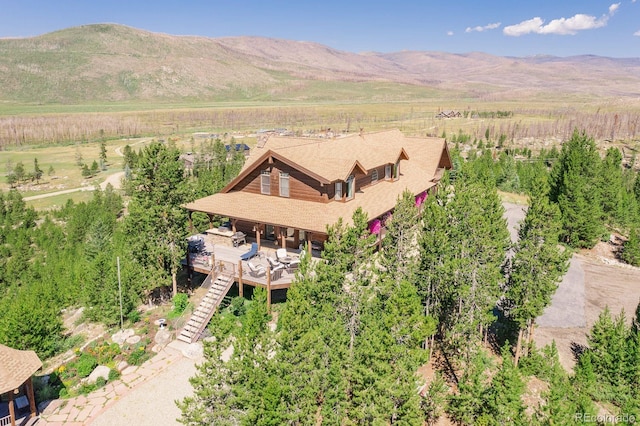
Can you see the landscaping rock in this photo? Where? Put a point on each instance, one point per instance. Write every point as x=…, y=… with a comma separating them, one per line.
x=225, y=356
x=121, y=336
x=99, y=371
x=193, y=351
x=133, y=340
x=162, y=337
x=157, y=348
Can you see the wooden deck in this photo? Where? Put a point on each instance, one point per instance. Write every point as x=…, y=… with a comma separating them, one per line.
x=228, y=259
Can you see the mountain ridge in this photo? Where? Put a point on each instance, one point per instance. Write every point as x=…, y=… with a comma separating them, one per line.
x=112, y=62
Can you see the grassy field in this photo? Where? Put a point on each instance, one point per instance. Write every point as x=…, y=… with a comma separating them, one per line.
x=534, y=124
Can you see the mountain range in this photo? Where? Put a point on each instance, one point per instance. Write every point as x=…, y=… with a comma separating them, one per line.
x=113, y=63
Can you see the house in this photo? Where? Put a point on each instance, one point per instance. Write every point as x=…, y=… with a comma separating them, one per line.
x=291, y=188
x=238, y=147
x=449, y=114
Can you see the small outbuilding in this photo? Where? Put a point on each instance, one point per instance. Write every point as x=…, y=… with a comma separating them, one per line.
x=16, y=384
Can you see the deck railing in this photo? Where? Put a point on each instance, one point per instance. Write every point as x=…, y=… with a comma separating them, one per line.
x=5, y=421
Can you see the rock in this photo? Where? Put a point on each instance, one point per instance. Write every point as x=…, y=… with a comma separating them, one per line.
x=122, y=365
x=226, y=354
x=99, y=371
x=133, y=340
x=157, y=348
x=193, y=351
x=162, y=337
x=122, y=335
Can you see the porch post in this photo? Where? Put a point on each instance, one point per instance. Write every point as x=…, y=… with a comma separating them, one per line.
x=283, y=238
x=258, y=229
x=240, y=284
x=269, y=291
x=190, y=221
x=210, y=220
x=32, y=399
x=309, y=242
x=12, y=412
x=296, y=238
x=233, y=224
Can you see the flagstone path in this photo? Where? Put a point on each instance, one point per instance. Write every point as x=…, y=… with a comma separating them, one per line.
x=83, y=410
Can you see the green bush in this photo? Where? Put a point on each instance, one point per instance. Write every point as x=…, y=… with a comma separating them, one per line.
x=113, y=375
x=180, y=302
x=237, y=306
x=138, y=356
x=133, y=316
x=100, y=382
x=85, y=365
x=631, y=249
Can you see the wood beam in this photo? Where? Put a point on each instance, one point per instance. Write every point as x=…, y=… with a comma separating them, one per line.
x=12, y=411
x=32, y=398
x=296, y=238
x=269, y=291
x=240, y=284
x=258, y=229
x=308, y=234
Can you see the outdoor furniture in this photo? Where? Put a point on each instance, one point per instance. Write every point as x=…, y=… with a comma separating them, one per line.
x=251, y=253
x=273, y=263
x=290, y=262
x=276, y=272
x=256, y=270
x=239, y=238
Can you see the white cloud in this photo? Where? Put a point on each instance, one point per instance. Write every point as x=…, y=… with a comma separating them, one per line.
x=449, y=33
x=561, y=26
x=485, y=28
x=637, y=33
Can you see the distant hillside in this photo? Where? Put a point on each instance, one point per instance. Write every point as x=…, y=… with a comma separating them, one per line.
x=108, y=62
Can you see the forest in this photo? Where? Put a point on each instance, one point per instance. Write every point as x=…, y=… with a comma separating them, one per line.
x=447, y=288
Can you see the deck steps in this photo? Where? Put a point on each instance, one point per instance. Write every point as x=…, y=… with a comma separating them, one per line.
x=207, y=307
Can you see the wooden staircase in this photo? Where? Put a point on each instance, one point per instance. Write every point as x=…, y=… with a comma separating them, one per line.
x=207, y=307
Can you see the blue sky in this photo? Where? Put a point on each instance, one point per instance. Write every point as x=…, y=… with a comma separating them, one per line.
x=499, y=27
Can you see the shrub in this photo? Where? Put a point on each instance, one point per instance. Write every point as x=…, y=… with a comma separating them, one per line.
x=237, y=306
x=138, y=356
x=180, y=302
x=133, y=316
x=113, y=375
x=85, y=365
x=100, y=382
x=631, y=249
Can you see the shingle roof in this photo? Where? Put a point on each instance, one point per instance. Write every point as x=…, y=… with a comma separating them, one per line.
x=16, y=367
x=327, y=158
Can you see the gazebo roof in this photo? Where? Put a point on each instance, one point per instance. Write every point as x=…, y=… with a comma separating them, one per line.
x=16, y=367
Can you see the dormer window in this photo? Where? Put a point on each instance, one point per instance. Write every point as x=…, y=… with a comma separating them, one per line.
x=338, y=190
x=265, y=182
x=396, y=170
x=387, y=172
x=284, y=184
x=374, y=176
x=350, y=187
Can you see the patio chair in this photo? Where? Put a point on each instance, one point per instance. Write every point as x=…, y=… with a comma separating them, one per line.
x=273, y=263
x=281, y=253
x=256, y=270
x=276, y=272
x=251, y=253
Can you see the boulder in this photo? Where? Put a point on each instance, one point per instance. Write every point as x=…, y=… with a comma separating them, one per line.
x=193, y=351
x=99, y=371
x=122, y=335
x=132, y=340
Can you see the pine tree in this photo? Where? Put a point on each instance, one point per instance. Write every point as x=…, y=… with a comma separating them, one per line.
x=536, y=267
x=37, y=172
x=575, y=186
x=504, y=397
x=156, y=219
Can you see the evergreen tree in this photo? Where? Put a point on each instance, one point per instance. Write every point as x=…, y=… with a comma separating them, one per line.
x=504, y=397
x=156, y=221
x=103, y=152
x=536, y=267
x=631, y=248
x=37, y=172
x=575, y=186
x=19, y=172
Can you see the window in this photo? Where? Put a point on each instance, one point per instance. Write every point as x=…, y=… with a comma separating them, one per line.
x=350, y=187
x=387, y=171
x=284, y=184
x=338, y=190
x=374, y=176
x=265, y=182
x=396, y=170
